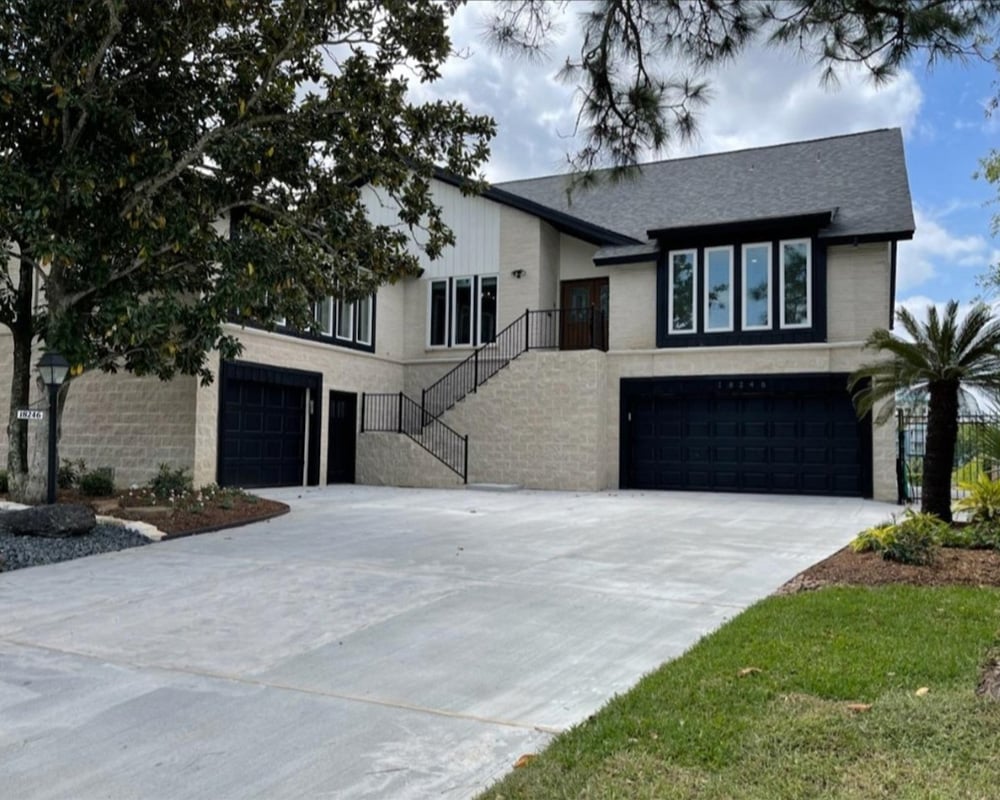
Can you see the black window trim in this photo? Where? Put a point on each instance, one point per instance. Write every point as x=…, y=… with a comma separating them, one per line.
x=774, y=334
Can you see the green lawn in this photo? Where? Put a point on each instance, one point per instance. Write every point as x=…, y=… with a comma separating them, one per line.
x=695, y=729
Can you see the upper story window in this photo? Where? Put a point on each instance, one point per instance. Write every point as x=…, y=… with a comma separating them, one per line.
x=747, y=292
x=683, y=313
x=718, y=289
x=757, y=286
x=348, y=324
x=462, y=311
x=796, y=284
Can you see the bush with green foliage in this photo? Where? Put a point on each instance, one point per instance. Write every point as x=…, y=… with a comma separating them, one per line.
x=914, y=539
x=980, y=500
x=171, y=482
x=70, y=473
x=98, y=483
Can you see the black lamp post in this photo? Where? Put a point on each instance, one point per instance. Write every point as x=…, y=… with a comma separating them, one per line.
x=53, y=368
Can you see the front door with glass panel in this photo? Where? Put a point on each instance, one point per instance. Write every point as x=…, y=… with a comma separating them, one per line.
x=584, y=314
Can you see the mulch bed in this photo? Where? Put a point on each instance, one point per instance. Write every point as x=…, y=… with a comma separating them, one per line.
x=182, y=522
x=953, y=566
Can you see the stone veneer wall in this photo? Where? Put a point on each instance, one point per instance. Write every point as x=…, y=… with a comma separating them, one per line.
x=129, y=423
x=121, y=421
x=391, y=459
x=538, y=423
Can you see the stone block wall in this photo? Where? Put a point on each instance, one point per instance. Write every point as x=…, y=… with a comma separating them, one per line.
x=538, y=423
x=121, y=421
x=391, y=459
x=129, y=423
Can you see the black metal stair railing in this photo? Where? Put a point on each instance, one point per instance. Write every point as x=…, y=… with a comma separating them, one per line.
x=397, y=413
x=547, y=329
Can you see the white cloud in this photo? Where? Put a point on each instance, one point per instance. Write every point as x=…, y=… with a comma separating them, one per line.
x=769, y=96
x=765, y=97
x=934, y=249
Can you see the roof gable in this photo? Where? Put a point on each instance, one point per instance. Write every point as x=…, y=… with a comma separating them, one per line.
x=862, y=176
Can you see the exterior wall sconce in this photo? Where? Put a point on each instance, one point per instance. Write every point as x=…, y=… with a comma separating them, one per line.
x=519, y=273
x=53, y=368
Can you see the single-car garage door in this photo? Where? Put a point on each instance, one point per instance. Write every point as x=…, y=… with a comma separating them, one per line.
x=264, y=419
x=794, y=434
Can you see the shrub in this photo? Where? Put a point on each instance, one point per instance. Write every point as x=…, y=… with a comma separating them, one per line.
x=983, y=535
x=4, y=484
x=170, y=482
x=70, y=472
x=98, y=483
x=914, y=539
x=874, y=539
x=914, y=542
x=981, y=500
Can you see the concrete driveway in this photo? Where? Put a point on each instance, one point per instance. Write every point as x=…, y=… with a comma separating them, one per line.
x=375, y=643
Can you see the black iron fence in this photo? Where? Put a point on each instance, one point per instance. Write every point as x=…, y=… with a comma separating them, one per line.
x=397, y=413
x=977, y=451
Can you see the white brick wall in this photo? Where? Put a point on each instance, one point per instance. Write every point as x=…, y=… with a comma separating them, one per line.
x=121, y=421
x=540, y=422
x=857, y=281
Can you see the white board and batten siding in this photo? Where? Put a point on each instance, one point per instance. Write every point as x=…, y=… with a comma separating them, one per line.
x=474, y=221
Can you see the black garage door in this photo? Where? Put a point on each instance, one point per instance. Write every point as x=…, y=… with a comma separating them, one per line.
x=788, y=434
x=263, y=423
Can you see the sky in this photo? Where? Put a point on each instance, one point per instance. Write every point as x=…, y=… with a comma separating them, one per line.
x=769, y=96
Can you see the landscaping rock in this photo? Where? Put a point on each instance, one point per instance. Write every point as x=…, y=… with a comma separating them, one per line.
x=49, y=521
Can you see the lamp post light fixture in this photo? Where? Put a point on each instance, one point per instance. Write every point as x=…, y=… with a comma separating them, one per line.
x=53, y=368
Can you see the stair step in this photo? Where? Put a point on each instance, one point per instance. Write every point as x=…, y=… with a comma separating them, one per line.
x=495, y=487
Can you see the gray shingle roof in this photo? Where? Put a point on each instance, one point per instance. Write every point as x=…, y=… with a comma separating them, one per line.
x=861, y=175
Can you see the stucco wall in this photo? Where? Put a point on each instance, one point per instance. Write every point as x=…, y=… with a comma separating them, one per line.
x=632, y=307
x=576, y=259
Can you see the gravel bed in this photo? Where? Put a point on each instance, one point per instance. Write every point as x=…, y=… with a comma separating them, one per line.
x=17, y=552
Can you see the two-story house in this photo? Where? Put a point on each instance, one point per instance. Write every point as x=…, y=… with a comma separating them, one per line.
x=692, y=328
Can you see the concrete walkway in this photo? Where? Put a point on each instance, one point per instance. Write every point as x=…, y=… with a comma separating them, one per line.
x=375, y=643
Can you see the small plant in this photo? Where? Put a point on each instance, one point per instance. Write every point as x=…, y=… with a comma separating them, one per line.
x=4, y=483
x=70, y=473
x=981, y=499
x=874, y=539
x=98, y=483
x=914, y=539
x=982, y=535
x=171, y=482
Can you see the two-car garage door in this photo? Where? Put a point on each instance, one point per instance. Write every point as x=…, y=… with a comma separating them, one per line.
x=794, y=434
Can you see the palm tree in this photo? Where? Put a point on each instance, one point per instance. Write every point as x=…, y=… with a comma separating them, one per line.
x=942, y=357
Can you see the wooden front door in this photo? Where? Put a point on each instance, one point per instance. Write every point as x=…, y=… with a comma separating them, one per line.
x=341, y=437
x=584, y=314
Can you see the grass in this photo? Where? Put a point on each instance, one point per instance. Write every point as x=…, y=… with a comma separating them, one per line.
x=696, y=729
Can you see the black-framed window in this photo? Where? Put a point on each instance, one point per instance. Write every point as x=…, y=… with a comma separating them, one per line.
x=345, y=323
x=462, y=311
x=757, y=291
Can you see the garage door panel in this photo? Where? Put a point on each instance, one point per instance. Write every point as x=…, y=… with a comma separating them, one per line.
x=798, y=436
x=262, y=442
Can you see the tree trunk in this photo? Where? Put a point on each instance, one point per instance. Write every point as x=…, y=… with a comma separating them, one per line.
x=17, y=429
x=22, y=335
x=939, y=455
